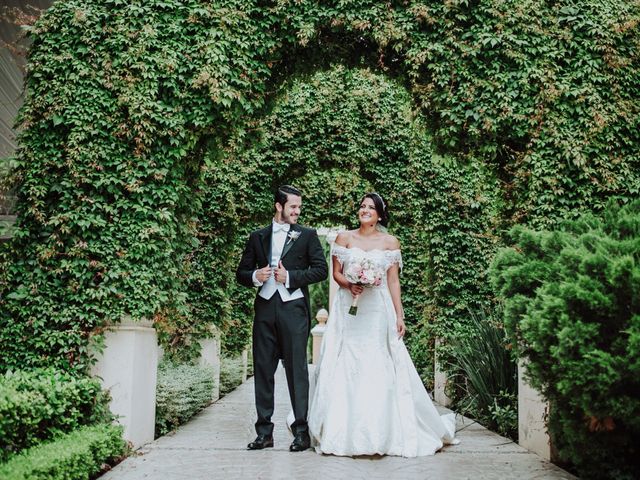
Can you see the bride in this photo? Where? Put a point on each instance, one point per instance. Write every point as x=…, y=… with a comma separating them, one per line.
x=368, y=397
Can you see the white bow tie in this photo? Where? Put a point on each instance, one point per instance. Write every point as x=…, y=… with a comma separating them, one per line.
x=281, y=227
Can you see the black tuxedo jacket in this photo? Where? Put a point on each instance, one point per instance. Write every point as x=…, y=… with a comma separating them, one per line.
x=303, y=258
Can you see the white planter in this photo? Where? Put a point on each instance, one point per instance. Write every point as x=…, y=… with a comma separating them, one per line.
x=439, y=381
x=210, y=356
x=245, y=365
x=532, y=415
x=127, y=368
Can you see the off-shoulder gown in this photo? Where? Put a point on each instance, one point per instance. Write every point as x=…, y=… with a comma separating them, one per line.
x=368, y=397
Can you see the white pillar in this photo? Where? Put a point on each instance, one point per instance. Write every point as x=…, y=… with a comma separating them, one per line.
x=210, y=357
x=127, y=368
x=440, y=380
x=245, y=364
x=318, y=332
x=532, y=414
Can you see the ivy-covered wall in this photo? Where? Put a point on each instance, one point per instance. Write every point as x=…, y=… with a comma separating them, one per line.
x=134, y=110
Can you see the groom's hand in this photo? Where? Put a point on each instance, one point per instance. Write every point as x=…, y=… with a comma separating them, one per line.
x=263, y=274
x=281, y=273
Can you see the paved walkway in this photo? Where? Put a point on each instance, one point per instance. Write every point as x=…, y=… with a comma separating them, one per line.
x=213, y=446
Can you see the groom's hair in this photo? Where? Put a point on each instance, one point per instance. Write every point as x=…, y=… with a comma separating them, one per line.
x=283, y=192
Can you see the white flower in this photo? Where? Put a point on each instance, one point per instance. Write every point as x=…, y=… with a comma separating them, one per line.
x=293, y=235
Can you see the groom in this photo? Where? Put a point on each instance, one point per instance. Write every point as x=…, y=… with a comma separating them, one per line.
x=282, y=259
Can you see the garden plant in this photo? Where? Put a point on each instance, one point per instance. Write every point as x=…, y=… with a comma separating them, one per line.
x=572, y=304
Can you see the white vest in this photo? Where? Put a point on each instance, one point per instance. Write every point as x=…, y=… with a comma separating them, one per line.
x=269, y=287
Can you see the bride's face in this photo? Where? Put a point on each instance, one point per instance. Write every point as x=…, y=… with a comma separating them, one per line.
x=367, y=213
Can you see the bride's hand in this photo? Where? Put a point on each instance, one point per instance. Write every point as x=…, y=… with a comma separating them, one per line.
x=355, y=289
x=401, y=327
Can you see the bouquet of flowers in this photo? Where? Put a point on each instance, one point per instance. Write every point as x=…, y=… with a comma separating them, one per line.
x=363, y=272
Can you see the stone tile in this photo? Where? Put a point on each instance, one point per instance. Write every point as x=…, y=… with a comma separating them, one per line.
x=213, y=446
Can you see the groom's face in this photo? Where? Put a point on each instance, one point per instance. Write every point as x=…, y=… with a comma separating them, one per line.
x=290, y=212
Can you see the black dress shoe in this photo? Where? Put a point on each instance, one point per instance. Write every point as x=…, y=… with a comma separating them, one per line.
x=261, y=441
x=301, y=442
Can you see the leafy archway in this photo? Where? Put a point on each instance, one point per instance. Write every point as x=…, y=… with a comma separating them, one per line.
x=127, y=98
x=337, y=134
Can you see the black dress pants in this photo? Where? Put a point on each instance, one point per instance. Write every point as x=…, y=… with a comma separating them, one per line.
x=280, y=330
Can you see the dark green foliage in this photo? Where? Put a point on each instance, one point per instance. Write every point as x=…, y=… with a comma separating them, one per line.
x=181, y=392
x=572, y=301
x=488, y=370
x=129, y=155
x=78, y=455
x=38, y=405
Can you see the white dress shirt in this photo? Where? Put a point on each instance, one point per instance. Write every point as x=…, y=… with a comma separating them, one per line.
x=279, y=234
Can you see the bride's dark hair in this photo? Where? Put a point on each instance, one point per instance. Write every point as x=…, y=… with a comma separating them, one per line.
x=381, y=206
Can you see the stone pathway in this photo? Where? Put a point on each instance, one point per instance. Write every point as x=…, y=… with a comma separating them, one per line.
x=213, y=446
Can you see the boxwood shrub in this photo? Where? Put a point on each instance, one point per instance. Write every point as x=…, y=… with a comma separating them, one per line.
x=78, y=455
x=37, y=405
x=572, y=303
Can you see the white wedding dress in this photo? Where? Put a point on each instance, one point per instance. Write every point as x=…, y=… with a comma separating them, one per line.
x=368, y=397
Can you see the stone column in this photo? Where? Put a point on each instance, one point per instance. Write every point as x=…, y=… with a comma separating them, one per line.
x=210, y=357
x=127, y=368
x=318, y=332
x=245, y=364
x=440, y=380
x=532, y=414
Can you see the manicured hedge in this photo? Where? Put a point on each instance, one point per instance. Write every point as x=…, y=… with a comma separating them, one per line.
x=37, y=405
x=182, y=391
x=572, y=305
x=78, y=455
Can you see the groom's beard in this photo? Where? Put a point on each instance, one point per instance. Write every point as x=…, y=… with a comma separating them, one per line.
x=290, y=219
